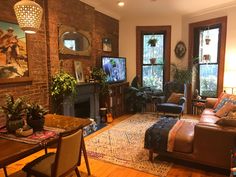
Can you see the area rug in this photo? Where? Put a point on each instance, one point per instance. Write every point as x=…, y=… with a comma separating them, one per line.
x=123, y=145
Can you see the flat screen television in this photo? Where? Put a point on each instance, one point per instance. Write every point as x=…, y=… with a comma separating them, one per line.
x=115, y=68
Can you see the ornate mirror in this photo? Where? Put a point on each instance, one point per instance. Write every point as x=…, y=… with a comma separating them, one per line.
x=74, y=42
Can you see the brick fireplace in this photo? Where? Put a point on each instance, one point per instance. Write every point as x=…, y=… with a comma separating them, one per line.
x=85, y=104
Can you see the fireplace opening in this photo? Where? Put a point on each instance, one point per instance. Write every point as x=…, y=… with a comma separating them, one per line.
x=82, y=109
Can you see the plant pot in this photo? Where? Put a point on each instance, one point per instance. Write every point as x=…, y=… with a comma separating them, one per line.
x=207, y=40
x=206, y=57
x=13, y=125
x=36, y=124
x=153, y=61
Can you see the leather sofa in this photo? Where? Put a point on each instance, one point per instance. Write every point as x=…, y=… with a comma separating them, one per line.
x=204, y=142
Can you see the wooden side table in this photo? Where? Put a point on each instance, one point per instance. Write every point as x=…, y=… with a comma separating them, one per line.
x=198, y=106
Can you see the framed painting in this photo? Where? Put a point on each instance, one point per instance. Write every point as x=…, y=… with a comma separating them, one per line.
x=14, y=66
x=79, y=71
x=106, y=45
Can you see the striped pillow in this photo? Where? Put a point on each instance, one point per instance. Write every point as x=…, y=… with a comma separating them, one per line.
x=221, y=104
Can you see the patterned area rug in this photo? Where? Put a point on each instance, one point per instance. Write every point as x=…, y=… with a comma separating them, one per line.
x=123, y=145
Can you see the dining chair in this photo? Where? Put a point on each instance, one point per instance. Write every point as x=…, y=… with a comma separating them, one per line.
x=62, y=162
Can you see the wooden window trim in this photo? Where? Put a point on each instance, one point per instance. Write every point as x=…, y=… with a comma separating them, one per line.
x=139, y=48
x=223, y=22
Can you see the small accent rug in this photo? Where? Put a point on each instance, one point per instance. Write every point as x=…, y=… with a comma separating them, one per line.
x=123, y=144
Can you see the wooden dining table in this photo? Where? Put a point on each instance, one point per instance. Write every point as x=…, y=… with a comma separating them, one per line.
x=12, y=151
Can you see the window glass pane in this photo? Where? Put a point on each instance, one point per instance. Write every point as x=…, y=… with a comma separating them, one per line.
x=153, y=76
x=153, y=52
x=208, y=53
x=208, y=79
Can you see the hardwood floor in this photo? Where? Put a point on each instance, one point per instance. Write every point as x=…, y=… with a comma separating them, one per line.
x=105, y=169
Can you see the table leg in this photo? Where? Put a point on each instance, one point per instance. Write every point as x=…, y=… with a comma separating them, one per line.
x=85, y=156
x=5, y=171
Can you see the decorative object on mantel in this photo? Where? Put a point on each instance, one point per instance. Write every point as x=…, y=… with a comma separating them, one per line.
x=79, y=71
x=29, y=15
x=106, y=45
x=35, y=116
x=180, y=49
x=63, y=84
x=14, y=111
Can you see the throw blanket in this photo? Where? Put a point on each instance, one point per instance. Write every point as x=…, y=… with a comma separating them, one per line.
x=161, y=135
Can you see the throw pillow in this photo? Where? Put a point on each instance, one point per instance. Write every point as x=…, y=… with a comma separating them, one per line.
x=221, y=97
x=175, y=97
x=224, y=110
x=221, y=104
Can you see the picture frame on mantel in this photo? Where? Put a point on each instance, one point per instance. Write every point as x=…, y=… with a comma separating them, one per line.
x=79, y=71
x=14, y=65
x=106, y=45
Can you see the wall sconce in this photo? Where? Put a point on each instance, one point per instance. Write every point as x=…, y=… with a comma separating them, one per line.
x=29, y=15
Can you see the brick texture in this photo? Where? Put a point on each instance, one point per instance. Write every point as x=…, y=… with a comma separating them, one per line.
x=42, y=47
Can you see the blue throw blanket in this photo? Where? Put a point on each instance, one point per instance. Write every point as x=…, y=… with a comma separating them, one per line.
x=156, y=137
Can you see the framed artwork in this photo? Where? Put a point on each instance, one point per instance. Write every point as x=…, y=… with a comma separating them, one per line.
x=14, y=66
x=106, y=45
x=180, y=49
x=79, y=71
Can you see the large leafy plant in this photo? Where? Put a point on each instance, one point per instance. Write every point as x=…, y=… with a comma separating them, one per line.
x=99, y=75
x=63, y=84
x=14, y=109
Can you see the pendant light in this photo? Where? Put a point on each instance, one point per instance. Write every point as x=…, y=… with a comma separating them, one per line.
x=29, y=15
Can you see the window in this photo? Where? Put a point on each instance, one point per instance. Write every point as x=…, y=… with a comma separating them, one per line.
x=153, y=62
x=210, y=70
x=208, y=61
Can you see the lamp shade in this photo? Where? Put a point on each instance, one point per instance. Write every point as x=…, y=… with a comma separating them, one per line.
x=229, y=79
x=29, y=15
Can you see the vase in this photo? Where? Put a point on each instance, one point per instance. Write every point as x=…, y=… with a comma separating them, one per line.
x=13, y=125
x=36, y=124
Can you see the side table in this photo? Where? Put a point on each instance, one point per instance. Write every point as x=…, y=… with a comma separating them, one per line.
x=198, y=105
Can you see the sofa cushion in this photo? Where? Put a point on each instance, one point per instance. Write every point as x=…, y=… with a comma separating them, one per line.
x=227, y=122
x=220, y=98
x=208, y=119
x=208, y=111
x=225, y=109
x=175, y=97
x=184, y=138
x=221, y=104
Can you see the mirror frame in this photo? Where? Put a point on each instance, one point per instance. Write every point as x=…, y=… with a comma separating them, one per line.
x=65, y=50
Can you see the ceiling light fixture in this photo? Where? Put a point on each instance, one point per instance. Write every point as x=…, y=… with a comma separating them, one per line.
x=121, y=3
x=29, y=15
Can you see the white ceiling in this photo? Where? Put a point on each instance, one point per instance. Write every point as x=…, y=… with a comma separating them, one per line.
x=136, y=8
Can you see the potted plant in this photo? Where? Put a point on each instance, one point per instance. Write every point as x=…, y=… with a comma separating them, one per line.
x=35, y=116
x=14, y=111
x=63, y=84
x=152, y=42
x=101, y=77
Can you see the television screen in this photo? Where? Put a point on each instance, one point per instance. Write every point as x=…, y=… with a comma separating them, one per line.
x=115, y=68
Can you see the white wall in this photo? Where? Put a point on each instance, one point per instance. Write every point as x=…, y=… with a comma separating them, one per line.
x=230, y=12
x=127, y=37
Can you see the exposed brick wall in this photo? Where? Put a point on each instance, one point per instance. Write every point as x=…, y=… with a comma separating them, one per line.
x=43, y=46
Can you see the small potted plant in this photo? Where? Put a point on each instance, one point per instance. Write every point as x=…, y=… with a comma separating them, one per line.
x=152, y=42
x=101, y=77
x=35, y=116
x=63, y=84
x=14, y=111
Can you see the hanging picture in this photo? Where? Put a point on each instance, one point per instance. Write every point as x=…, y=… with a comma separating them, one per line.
x=106, y=45
x=13, y=53
x=79, y=71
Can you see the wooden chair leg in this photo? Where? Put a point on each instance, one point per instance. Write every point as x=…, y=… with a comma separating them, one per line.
x=151, y=155
x=77, y=172
x=45, y=150
x=5, y=171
